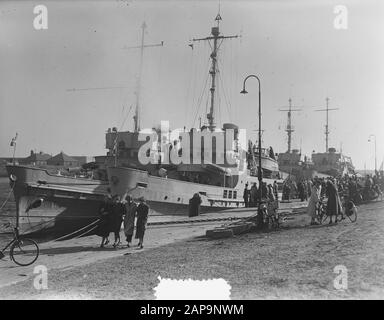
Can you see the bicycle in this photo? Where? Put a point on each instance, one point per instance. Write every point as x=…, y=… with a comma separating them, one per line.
x=271, y=216
x=23, y=251
x=321, y=211
x=348, y=210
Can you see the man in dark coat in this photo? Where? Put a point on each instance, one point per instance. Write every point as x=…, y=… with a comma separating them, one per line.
x=333, y=204
x=286, y=191
x=129, y=218
x=276, y=192
x=246, y=195
x=103, y=228
x=194, y=205
x=300, y=189
x=141, y=222
x=118, y=212
x=253, y=196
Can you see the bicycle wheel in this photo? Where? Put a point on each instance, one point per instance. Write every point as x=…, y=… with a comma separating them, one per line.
x=321, y=215
x=351, y=211
x=324, y=218
x=24, y=252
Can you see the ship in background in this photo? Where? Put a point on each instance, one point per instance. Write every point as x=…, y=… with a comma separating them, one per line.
x=292, y=161
x=321, y=164
x=331, y=162
x=168, y=188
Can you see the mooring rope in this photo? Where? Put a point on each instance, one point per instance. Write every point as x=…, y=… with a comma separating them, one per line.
x=84, y=233
x=74, y=232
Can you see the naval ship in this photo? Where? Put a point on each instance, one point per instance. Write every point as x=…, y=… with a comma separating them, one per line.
x=328, y=163
x=292, y=161
x=168, y=188
x=331, y=162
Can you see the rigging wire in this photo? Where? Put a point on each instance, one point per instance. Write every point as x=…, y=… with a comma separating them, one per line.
x=227, y=102
x=194, y=82
x=200, y=100
x=218, y=104
x=237, y=71
x=202, y=94
x=189, y=85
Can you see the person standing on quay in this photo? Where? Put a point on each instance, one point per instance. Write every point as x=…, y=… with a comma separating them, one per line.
x=253, y=193
x=333, y=204
x=313, y=200
x=142, y=217
x=129, y=219
x=246, y=195
x=264, y=191
x=300, y=189
x=194, y=205
x=104, y=225
x=118, y=210
x=310, y=185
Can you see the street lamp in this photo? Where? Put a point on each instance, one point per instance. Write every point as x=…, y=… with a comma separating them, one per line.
x=369, y=140
x=259, y=171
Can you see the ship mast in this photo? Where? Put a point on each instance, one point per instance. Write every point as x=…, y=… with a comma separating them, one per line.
x=327, y=109
x=289, y=128
x=136, y=117
x=215, y=36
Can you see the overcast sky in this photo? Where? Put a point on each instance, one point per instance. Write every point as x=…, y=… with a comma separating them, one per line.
x=292, y=46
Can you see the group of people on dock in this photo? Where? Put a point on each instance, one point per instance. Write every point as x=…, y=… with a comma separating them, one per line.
x=356, y=187
x=301, y=190
x=361, y=189
x=351, y=187
x=268, y=193
x=327, y=188
x=116, y=211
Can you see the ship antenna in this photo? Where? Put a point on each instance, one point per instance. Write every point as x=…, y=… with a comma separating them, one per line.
x=215, y=36
x=327, y=109
x=142, y=46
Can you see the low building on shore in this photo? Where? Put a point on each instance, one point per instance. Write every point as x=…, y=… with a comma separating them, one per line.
x=62, y=160
x=36, y=159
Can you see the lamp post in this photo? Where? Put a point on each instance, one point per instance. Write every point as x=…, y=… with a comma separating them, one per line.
x=369, y=140
x=259, y=171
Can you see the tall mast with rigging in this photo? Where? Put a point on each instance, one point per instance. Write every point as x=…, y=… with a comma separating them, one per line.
x=327, y=109
x=142, y=46
x=290, y=129
x=215, y=36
